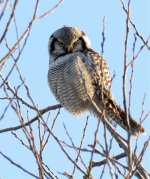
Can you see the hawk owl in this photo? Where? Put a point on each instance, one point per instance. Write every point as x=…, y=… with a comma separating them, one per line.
x=80, y=79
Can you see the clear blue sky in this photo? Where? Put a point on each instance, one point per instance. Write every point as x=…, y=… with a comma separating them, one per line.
x=88, y=16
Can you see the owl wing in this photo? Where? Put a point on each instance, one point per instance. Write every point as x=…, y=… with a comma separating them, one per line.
x=102, y=78
x=103, y=97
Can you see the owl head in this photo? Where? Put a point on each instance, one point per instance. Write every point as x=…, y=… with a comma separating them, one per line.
x=67, y=40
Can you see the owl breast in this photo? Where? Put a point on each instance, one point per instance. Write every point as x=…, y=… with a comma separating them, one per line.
x=71, y=82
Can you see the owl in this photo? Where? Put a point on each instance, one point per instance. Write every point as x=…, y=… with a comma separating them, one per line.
x=80, y=79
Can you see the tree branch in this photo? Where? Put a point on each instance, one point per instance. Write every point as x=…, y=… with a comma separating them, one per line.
x=40, y=113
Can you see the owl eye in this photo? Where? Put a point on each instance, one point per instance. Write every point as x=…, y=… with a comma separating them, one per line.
x=75, y=43
x=60, y=44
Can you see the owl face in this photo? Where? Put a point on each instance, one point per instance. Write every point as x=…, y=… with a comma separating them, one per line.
x=67, y=40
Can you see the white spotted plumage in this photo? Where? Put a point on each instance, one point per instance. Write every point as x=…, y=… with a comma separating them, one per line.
x=77, y=75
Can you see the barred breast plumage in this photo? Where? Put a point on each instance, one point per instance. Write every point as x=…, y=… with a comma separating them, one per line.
x=67, y=84
x=79, y=78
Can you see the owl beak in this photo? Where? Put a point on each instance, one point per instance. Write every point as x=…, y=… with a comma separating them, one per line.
x=68, y=48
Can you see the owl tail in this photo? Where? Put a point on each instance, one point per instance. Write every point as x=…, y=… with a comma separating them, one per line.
x=114, y=114
x=134, y=128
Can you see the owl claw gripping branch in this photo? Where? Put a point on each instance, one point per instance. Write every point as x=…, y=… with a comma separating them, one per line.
x=78, y=76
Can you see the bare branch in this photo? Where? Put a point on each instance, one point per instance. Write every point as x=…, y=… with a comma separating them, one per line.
x=117, y=157
x=134, y=26
x=18, y=166
x=41, y=112
x=9, y=22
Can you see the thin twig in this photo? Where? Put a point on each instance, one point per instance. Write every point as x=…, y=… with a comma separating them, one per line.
x=41, y=112
x=117, y=157
x=134, y=26
x=136, y=56
x=18, y=166
x=9, y=21
x=78, y=155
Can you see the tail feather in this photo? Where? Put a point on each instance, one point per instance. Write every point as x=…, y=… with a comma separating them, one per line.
x=134, y=127
x=116, y=114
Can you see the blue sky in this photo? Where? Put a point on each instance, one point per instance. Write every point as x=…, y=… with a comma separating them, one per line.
x=33, y=65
